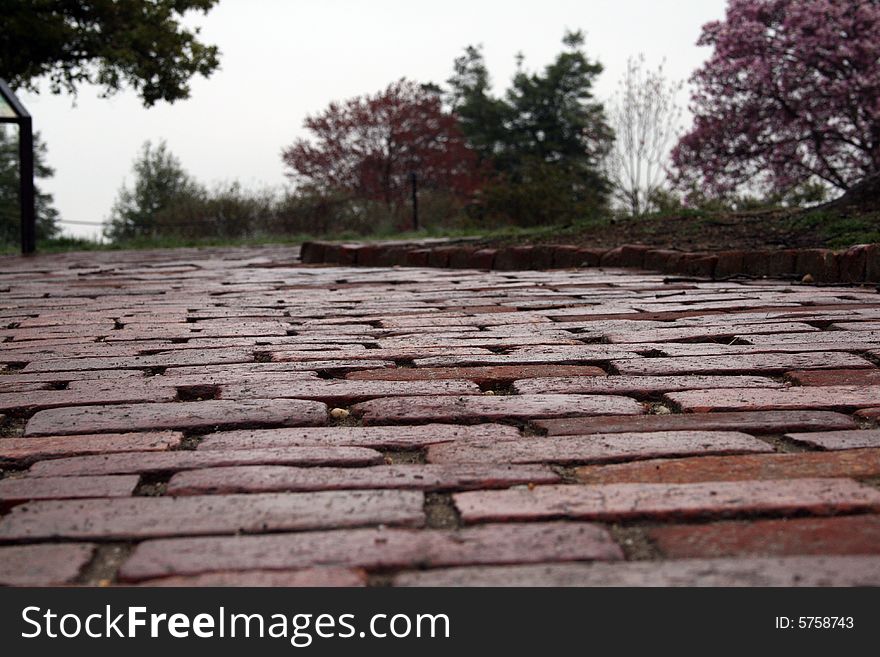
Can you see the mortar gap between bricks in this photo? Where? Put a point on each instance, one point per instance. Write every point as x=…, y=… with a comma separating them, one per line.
x=785, y=445
x=199, y=392
x=190, y=441
x=635, y=543
x=823, y=325
x=651, y=353
x=405, y=456
x=567, y=473
x=14, y=423
x=104, y=566
x=13, y=469
x=153, y=484
x=440, y=511
x=380, y=580
x=341, y=416
x=873, y=482
x=501, y=388
x=327, y=375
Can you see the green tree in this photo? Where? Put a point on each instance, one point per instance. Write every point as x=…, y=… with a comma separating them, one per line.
x=482, y=117
x=10, y=209
x=547, y=133
x=110, y=43
x=160, y=183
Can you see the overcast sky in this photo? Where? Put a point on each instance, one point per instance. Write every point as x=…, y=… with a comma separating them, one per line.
x=284, y=59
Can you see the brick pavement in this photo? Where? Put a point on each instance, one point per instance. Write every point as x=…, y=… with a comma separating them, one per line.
x=233, y=417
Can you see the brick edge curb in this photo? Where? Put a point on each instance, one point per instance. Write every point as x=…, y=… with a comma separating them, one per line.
x=857, y=264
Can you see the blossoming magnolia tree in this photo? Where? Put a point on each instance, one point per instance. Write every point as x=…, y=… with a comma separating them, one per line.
x=790, y=95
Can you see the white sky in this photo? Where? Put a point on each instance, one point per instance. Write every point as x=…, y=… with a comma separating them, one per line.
x=284, y=59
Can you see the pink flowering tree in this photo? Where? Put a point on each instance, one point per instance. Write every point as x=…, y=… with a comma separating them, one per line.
x=790, y=95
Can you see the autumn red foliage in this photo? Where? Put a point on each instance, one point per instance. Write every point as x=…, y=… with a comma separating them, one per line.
x=369, y=146
x=790, y=95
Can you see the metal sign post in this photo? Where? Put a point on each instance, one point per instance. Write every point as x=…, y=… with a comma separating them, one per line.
x=12, y=111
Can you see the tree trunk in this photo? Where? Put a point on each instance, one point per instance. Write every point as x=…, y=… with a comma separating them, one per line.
x=863, y=196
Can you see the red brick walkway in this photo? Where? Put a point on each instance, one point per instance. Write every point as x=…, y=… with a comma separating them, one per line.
x=229, y=416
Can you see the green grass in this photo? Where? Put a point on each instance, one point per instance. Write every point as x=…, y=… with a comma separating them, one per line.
x=828, y=229
x=839, y=230
x=501, y=233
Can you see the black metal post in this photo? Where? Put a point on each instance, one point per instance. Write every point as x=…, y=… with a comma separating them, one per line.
x=14, y=112
x=414, y=181
x=26, y=186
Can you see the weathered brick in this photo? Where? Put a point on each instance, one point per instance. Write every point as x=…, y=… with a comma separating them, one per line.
x=312, y=252
x=522, y=257
x=662, y=259
x=373, y=549
x=637, y=385
x=149, y=462
x=628, y=255
x=586, y=354
x=12, y=387
x=15, y=491
x=43, y=565
x=345, y=392
x=818, y=536
x=305, y=577
x=656, y=501
x=479, y=375
x=855, y=463
x=377, y=437
x=730, y=330
x=269, y=478
x=31, y=449
x=844, y=340
x=698, y=264
x=830, y=397
x=755, y=422
x=482, y=259
x=403, y=352
x=872, y=264
x=853, y=264
x=835, y=377
x=276, y=369
x=477, y=408
x=186, y=415
x=746, y=363
x=860, y=570
x=730, y=263
x=839, y=439
x=417, y=257
x=63, y=376
x=144, y=517
x=596, y=448
x=33, y=401
x=571, y=257
x=821, y=264
x=178, y=357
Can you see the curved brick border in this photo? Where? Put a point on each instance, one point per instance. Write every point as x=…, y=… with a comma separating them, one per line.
x=858, y=264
